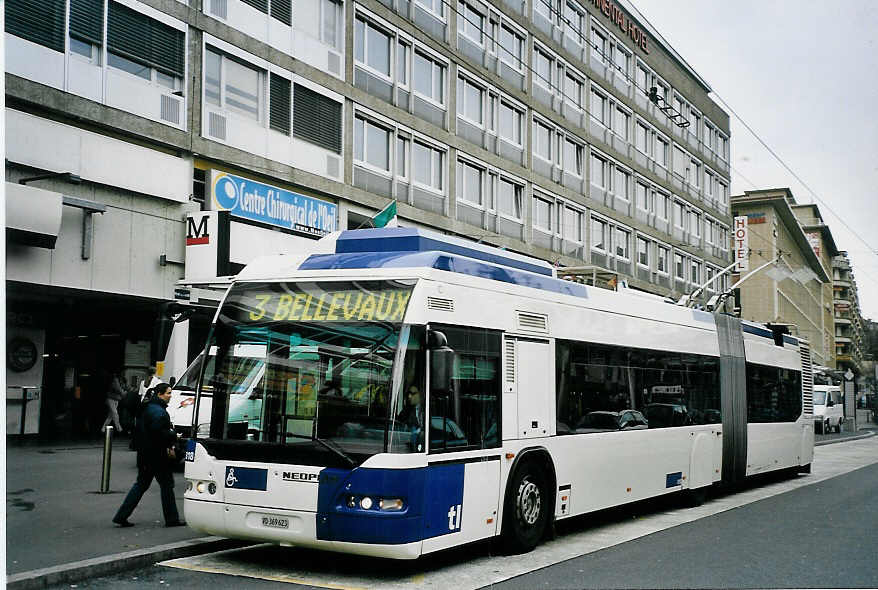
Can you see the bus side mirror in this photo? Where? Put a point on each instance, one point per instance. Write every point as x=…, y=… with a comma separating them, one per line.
x=441, y=364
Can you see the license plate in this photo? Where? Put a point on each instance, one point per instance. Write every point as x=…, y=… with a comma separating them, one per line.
x=276, y=522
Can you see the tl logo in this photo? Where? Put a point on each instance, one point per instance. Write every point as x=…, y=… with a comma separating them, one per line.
x=454, y=513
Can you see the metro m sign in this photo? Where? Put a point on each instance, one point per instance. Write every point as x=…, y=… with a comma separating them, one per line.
x=196, y=231
x=741, y=244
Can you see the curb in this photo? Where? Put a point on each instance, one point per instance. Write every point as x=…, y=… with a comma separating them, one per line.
x=867, y=434
x=116, y=563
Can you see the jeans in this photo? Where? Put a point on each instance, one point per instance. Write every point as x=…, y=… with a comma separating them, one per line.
x=145, y=473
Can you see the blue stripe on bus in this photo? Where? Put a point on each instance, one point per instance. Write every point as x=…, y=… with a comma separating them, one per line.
x=432, y=497
x=442, y=261
x=405, y=239
x=790, y=340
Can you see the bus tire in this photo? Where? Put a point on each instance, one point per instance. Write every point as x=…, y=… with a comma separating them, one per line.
x=526, y=507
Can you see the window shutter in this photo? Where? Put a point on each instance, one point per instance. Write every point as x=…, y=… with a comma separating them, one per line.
x=137, y=36
x=260, y=5
x=87, y=20
x=282, y=10
x=40, y=21
x=316, y=119
x=279, y=105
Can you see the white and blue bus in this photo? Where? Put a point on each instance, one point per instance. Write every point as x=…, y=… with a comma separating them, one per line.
x=418, y=392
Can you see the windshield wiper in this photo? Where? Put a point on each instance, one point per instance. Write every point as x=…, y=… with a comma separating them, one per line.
x=334, y=448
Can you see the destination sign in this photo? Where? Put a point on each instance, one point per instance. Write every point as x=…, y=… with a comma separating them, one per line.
x=385, y=305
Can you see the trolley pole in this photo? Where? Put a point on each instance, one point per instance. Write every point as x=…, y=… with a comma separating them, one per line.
x=108, y=456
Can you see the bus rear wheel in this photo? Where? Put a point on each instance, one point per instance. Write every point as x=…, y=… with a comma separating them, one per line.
x=526, y=508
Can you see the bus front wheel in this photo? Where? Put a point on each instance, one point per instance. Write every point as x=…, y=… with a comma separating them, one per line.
x=526, y=508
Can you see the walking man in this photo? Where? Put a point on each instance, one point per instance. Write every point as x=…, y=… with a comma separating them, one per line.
x=154, y=436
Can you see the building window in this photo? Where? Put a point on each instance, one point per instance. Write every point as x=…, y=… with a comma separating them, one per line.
x=371, y=144
x=695, y=173
x=509, y=198
x=621, y=180
x=573, y=88
x=681, y=163
x=642, y=196
x=437, y=7
x=661, y=262
x=622, y=60
x=542, y=141
x=661, y=152
x=695, y=224
x=510, y=123
x=642, y=251
x=145, y=47
x=231, y=85
x=572, y=225
x=696, y=272
x=543, y=65
x=600, y=45
x=470, y=99
x=662, y=205
x=679, y=267
x=572, y=157
x=599, y=107
x=316, y=118
x=641, y=137
x=403, y=53
x=573, y=21
x=429, y=77
x=470, y=23
x=621, y=243
x=402, y=156
x=598, y=177
x=542, y=214
x=40, y=22
x=322, y=19
x=372, y=47
x=599, y=235
x=621, y=121
x=679, y=212
x=511, y=47
x=471, y=187
x=427, y=165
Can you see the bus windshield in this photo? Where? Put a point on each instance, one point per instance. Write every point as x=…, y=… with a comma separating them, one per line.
x=331, y=359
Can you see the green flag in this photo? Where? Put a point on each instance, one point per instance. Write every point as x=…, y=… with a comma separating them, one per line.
x=385, y=215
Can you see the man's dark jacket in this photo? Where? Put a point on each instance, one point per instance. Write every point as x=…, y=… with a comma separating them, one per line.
x=155, y=434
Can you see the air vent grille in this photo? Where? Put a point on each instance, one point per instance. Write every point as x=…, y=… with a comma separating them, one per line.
x=510, y=361
x=170, y=109
x=440, y=304
x=807, y=379
x=219, y=8
x=216, y=126
x=533, y=322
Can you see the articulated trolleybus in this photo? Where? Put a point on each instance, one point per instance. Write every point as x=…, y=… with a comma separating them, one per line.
x=418, y=391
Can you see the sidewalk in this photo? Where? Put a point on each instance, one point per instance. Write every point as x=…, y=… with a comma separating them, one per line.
x=58, y=525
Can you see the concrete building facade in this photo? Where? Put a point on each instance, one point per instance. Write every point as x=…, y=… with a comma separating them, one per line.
x=150, y=141
x=849, y=334
x=792, y=291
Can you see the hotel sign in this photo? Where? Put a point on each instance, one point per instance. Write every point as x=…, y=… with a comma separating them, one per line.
x=625, y=24
x=741, y=245
x=256, y=201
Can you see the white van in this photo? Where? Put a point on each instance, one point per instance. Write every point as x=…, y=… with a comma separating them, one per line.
x=245, y=401
x=828, y=408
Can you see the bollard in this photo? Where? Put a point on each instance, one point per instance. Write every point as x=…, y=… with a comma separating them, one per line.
x=108, y=456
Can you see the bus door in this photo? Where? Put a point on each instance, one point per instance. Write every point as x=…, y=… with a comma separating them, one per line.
x=463, y=473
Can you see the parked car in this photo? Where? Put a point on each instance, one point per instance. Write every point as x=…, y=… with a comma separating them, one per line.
x=828, y=408
x=667, y=415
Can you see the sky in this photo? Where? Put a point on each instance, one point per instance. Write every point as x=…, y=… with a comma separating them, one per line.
x=803, y=74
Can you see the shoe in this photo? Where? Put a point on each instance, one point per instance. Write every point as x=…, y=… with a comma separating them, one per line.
x=176, y=523
x=123, y=523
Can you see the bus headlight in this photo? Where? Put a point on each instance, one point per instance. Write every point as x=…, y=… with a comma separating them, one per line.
x=390, y=504
x=211, y=488
x=188, y=485
x=366, y=503
x=199, y=487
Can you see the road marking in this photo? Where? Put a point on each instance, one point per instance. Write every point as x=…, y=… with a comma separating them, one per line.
x=339, y=571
